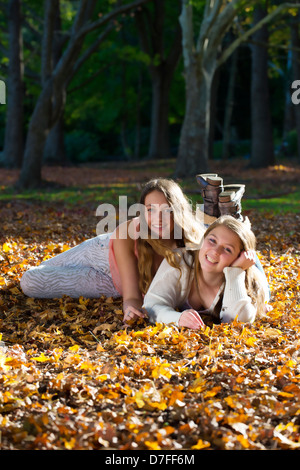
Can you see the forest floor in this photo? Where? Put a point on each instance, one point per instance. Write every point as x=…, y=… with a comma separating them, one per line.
x=73, y=377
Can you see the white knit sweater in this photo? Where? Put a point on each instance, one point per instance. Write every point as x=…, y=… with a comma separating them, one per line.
x=169, y=291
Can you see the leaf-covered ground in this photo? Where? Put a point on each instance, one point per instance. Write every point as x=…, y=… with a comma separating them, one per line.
x=73, y=377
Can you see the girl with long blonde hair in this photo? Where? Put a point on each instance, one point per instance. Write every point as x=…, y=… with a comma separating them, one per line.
x=114, y=264
x=219, y=279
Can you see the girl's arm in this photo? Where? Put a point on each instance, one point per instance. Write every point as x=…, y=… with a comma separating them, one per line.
x=236, y=302
x=165, y=293
x=129, y=275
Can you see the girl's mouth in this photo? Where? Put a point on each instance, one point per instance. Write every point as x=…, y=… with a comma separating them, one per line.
x=211, y=260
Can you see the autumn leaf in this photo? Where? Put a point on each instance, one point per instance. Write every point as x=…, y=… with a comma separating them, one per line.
x=74, y=377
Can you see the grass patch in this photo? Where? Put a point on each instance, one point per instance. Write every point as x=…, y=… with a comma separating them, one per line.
x=277, y=205
x=76, y=195
x=96, y=194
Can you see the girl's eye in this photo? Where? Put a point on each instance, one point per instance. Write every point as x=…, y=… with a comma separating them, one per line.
x=228, y=250
x=212, y=240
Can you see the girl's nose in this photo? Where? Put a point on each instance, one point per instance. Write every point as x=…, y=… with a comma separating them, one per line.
x=218, y=249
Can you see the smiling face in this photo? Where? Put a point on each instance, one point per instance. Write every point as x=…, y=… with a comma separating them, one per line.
x=220, y=248
x=158, y=215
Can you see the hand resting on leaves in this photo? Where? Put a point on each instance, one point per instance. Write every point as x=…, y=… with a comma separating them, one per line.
x=191, y=319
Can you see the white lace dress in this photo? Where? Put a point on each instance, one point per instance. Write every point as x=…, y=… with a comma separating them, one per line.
x=81, y=271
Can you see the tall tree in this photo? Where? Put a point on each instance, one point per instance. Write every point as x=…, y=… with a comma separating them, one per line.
x=14, y=137
x=295, y=45
x=54, y=150
x=152, y=32
x=229, y=105
x=262, y=149
x=55, y=78
x=201, y=60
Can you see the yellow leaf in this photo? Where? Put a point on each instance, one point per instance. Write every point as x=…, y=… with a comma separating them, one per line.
x=251, y=341
x=70, y=444
x=162, y=369
x=102, y=377
x=243, y=441
x=42, y=358
x=139, y=399
x=65, y=247
x=160, y=405
x=198, y=385
x=152, y=445
x=6, y=247
x=3, y=359
x=15, y=290
x=176, y=398
x=166, y=431
x=201, y=445
x=212, y=392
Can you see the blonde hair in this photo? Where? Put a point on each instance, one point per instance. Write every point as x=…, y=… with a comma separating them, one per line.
x=248, y=242
x=185, y=223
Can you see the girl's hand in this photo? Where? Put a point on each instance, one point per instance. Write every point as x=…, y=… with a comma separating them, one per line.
x=191, y=319
x=245, y=260
x=132, y=313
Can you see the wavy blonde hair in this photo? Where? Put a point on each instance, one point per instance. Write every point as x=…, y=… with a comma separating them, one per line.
x=248, y=242
x=185, y=224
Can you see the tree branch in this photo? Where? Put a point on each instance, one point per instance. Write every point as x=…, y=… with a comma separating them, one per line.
x=230, y=49
x=108, y=17
x=46, y=66
x=90, y=50
x=210, y=14
x=186, y=21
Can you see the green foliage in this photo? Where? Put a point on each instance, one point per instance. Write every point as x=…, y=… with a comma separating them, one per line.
x=82, y=146
x=103, y=96
x=292, y=143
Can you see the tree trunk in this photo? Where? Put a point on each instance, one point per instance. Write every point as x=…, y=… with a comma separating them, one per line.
x=295, y=40
x=137, y=142
x=42, y=119
x=214, y=123
x=289, y=114
x=206, y=54
x=160, y=137
x=200, y=64
x=161, y=73
x=194, y=139
x=39, y=126
x=262, y=150
x=51, y=101
x=229, y=107
x=54, y=151
x=13, y=139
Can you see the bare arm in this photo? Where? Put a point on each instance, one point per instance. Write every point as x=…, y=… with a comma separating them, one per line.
x=128, y=269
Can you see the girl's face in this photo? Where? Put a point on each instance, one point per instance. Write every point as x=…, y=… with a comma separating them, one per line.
x=158, y=215
x=220, y=248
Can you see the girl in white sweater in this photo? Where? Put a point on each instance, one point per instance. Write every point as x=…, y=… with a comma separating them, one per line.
x=220, y=279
